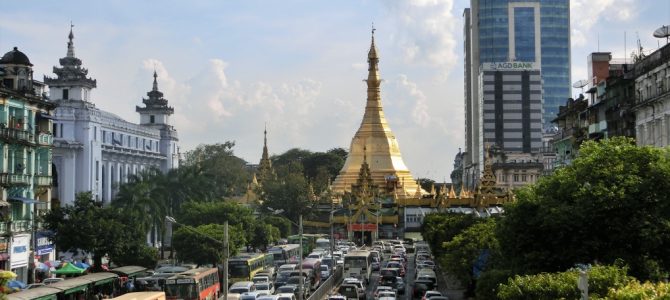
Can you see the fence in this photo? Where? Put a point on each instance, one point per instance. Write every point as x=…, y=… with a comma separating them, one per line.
x=328, y=285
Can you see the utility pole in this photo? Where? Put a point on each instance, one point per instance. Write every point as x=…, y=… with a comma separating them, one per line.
x=302, y=278
x=226, y=253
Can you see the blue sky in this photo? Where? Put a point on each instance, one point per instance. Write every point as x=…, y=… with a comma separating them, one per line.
x=228, y=67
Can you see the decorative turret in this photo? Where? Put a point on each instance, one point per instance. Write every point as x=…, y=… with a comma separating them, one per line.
x=374, y=135
x=71, y=82
x=156, y=110
x=265, y=170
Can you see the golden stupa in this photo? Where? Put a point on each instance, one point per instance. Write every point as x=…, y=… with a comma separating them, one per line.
x=376, y=140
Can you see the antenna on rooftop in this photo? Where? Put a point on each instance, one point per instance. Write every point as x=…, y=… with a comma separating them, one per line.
x=580, y=84
x=663, y=32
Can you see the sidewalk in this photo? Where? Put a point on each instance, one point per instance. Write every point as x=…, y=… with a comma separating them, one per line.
x=449, y=286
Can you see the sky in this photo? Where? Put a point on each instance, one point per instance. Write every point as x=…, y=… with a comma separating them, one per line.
x=229, y=68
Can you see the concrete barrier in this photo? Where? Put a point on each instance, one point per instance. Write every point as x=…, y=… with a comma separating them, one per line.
x=327, y=287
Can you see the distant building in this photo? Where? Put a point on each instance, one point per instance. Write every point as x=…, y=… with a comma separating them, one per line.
x=652, y=98
x=508, y=31
x=25, y=172
x=95, y=150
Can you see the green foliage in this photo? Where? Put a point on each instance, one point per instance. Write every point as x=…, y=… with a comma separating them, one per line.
x=426, y=184
x=225, y=173
x=139, y=199
x=288, y=194
x=563, y=285
x=206, y=247
x=612, y=202
x=641, y=291
x=464, y=250
x=90, y=227
x=318, y=167
x=140, y=255
x=438, y=228
x=281, y=223
x=201, y=213
x=488, y=282
x=263, y=235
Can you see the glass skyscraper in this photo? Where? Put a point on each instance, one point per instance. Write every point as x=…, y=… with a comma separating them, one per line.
x=554, y=41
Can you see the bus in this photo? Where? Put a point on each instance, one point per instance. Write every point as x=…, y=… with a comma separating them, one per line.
x=142, y=296
x=195, y=284
x=358, y=264
x=285, y=254
x=86, y=287
x=308, y=241
x=323, y=243
x=244, y=266
x=314, y=265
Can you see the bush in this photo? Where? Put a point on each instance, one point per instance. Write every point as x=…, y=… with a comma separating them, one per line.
x=488, y=282
x=636, y=291
x=564, y=285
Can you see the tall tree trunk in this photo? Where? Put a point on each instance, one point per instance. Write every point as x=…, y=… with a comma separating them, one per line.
x=97, y=263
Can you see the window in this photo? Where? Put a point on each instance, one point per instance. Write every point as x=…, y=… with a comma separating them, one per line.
x=66, y=94
x=137, y=142
x=152, y=119
x=95, y=133
x=523, y=178
x=516, y=177
x=61, y=130
x=54, y=129
x=97, y=167
x=104, y=136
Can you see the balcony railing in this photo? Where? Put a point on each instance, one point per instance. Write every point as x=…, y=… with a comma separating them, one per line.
x=21, y=225
x=45, y=139
x=3, y=228
x=19, y=179
x=42, y=180
x=13, y=134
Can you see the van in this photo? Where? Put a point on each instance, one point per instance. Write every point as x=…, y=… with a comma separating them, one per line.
x=241, y=287
x=287, y=267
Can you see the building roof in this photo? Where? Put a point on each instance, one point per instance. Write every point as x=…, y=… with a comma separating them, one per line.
x=15, y=57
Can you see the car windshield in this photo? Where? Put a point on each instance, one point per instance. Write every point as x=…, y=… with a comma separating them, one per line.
x=260, y=279
x=238, y=290
x=287, y=289
x=262, y=287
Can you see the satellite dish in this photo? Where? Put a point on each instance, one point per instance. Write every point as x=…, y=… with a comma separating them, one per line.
x=662, y=32
x=580, y=84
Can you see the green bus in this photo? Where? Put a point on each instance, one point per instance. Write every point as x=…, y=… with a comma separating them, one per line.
x=244, y=266
x=308, y=241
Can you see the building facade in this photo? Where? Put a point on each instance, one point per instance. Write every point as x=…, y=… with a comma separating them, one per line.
x=95, y=150
x=652, y=98
x=536, y=31
x=25, y=169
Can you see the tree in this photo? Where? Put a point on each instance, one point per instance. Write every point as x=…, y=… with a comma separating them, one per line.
x=612, y=202
x=288, y=194
x=263, y=235
x=206, y=247
x=138, y=199
x=281, y=223
x=226, y=173
x=438, y=228
x=95, y=229
x=202, y=213
x=426, y=184
x=469, y=252
x=138, y=255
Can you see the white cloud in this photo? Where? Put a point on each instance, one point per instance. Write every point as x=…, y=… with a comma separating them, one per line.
x=426, y=31
x=584, y=14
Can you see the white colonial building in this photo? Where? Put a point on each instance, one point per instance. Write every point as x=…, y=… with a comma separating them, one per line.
x=95, y=150
x=652, y=98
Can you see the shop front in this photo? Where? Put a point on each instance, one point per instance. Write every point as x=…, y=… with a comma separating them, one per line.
x=19, y=256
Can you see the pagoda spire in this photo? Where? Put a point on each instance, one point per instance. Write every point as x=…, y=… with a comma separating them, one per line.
x=265, y=170
x=155, y=87
x=70, y=43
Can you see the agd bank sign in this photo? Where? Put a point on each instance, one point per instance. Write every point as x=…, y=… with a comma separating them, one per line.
x=509, y=66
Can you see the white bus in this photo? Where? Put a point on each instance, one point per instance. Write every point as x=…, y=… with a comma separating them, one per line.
x=358, y=264
x=285, y=254
x=323, y=244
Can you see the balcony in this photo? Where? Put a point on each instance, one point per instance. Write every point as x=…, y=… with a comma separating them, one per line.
x=42, y=180
x=18, y=179
x=3, y=228
x=45, y=139
x=17, y=135
x=21, y=225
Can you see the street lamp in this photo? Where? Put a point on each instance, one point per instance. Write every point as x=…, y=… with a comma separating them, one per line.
x=225, y=249
x=302, y=277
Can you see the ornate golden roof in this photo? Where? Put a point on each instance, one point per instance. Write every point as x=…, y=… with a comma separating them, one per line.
x=265, y=170
x=375, y=137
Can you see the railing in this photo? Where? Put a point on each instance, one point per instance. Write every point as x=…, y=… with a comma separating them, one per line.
x=42, y=180
x=45, y=139
x=327, y=287
x=3, y=228
x=21, y=225
x=19, y=179
x=17, y=134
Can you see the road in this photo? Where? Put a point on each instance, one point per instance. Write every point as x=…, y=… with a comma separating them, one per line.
x=374, y=280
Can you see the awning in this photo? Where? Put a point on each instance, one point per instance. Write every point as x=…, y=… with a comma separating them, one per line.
x=4, y=256
x=22, y=199
x=45, y=116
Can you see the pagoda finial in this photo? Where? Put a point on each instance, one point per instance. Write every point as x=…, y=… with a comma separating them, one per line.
x=70, y=43
x=155, y=88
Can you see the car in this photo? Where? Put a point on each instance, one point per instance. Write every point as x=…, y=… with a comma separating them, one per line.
x=354, y=281
x=382, y=288
x=430, y=295
x=267, y=287
x=241, y=287
x=268, y=297
x=386, y=295
x=286, y=296
x=389, y=272
x=291, y=289
x=337, y=297
x=261, y=278
x=317, y=255
x=375, y=265
x=287, y=267
x=282, y=277
x=295, y=280
x=252, y=295
x=325, y=272
x=420, y=287
x=396, y=265
x=351, y=291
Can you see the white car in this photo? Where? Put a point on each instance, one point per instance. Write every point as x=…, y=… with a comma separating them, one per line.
x=252, y=295
x=325, y=272
x=386, y=295
x=267, y=287
x=261, y=279
x=286, y=296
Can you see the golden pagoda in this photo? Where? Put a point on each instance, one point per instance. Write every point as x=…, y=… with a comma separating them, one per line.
x=376, y=138
x=265, y=170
